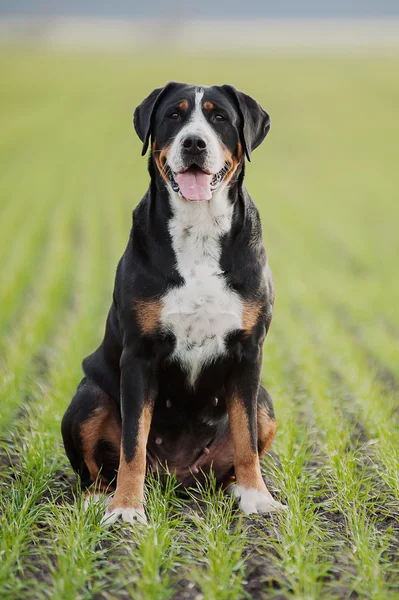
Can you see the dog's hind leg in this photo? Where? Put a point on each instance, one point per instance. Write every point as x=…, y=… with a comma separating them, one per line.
x=91, y=434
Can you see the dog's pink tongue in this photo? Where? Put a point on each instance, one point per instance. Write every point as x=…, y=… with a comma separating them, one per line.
x=195, y=184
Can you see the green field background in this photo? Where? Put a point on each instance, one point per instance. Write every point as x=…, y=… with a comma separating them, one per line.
x=326, y=182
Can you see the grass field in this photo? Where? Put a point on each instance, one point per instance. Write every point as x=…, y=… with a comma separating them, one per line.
x=326, y=182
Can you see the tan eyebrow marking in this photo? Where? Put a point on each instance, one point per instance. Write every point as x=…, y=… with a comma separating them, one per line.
x=183, y=105
x=209, y=105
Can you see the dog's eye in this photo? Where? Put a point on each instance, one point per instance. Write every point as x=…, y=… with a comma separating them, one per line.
x=219, y=117
x=174, y=115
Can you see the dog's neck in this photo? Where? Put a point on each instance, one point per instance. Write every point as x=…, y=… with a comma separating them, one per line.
x=197, y=231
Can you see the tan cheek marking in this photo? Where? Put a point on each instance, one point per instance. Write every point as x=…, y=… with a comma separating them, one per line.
x=130, y=484
x=267, y=429
x=246, y=461
x=101, y=426
x=232, y=160
x=183, y=105
x=148, y=314
x=160, y=157
x=251, y=313
x=209, y=105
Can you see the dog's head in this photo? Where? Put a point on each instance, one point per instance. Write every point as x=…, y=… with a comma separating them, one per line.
x=199, y=135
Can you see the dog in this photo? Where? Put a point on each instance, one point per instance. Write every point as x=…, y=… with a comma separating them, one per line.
x=175, y=384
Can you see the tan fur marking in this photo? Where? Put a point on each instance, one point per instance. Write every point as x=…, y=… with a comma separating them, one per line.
x=209, y=105
x=160, y=157
x=101, y=425
x=183, y=105
x=250, y=315
x=233, y=160
x=246, y=461
x=148, y=314
x=130, y=484
x=267, y=428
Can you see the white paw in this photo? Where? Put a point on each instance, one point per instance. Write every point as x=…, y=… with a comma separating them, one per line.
x=255, y=501
x=128, y=515
x=96, y=499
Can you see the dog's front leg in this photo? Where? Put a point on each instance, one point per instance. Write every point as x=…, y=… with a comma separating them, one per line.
x=242, y=400
x=137, y=397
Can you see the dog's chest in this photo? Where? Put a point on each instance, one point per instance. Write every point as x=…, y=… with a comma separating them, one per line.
x=202, y=311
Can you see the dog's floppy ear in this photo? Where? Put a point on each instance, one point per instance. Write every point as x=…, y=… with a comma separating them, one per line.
x=255, y=122
x=143, y=115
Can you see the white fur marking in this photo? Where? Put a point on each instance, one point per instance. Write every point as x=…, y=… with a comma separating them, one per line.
x=204, y=310
x=255, y=501
x=128, y=515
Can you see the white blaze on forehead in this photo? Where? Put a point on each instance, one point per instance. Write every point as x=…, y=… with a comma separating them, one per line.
x=198, y=116
x=197, y=125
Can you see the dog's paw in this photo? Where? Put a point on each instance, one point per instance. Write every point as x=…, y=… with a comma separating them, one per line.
x=91, y=499
x=252, y=500
x=128, y=515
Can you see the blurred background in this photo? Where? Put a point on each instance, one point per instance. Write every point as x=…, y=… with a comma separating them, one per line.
x=255, y=24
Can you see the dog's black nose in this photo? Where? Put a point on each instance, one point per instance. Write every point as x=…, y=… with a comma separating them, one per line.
x=194, y=143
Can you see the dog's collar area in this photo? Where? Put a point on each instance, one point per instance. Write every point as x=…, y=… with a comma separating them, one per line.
x=216, y=180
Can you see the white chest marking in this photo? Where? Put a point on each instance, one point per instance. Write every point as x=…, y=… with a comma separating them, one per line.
x=203, y=310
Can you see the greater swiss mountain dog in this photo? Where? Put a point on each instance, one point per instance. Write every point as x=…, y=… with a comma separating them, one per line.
x=175, y=384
